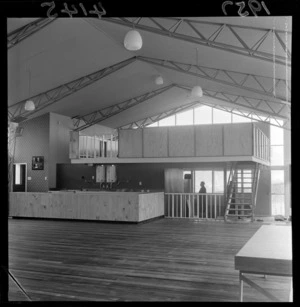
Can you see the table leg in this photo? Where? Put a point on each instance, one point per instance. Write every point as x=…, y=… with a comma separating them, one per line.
x=241, y=287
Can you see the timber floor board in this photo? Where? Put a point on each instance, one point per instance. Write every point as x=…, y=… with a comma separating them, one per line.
x=163, y=260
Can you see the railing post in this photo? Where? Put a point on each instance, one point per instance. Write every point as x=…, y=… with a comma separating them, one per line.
x=215, y=206
x=110, y=154
x=172, y=204
x=205, y=206
x=180, y=205
x=86, y=146
x=198, y=212
x=94, y=146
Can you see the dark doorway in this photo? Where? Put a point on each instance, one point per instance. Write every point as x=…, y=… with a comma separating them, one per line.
x=19, y=177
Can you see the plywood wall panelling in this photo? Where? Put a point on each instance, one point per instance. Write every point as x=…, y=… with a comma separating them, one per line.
x=130, y=143
x=238, y=139
x=74, y=145
x=34, y=142
x=155, y=142
x=174, y=180
x=151, y=205
x=181, y=141
x=209, y=140
x=263, y=200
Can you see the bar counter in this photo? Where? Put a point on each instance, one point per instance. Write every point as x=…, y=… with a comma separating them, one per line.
x=87, y=205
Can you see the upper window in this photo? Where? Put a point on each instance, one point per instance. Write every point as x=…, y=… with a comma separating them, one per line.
x=221, y=117
x=168, y=121
x=185, y=118
x=240, y=119
x=203, y=115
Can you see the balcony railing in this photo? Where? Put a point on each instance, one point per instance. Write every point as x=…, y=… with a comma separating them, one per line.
x=97, y=147
x=261, y=145
x=194, y=205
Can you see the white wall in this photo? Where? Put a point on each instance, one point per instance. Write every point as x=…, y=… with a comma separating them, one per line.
x=58, y=143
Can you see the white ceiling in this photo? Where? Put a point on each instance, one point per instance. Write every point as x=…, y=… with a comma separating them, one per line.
x=70, y=48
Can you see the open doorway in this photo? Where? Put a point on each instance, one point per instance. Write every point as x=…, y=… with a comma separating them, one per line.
x=19, y=177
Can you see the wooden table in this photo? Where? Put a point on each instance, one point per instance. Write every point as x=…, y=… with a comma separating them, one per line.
x=268, y=252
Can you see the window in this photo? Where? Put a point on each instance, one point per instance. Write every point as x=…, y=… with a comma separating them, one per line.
x=168, y=121
x=185, y=118
x=244, y=181
x=214, y=181
x=277, y=191
x=218, y=186
x=277, y=157
x=240, y=119
x=203, y=115
x=221, y=117
x=205, y=176
x=18, y=177
x=153, y=125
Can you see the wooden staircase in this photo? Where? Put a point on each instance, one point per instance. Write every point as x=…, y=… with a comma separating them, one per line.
x=242, y=192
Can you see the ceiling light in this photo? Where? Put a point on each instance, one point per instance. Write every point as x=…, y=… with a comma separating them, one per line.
x=197, y=91
x=133, y=40
x=159, y=80
x=29, y=105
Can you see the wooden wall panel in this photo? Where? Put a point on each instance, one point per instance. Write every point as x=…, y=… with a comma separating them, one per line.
x=74, y=145
x=238, y=139
x=105, y=206
x=155, y=142
x=130, y=143
x=209, y=140
x=151, y=205
x=174, y=180
x=181, y=141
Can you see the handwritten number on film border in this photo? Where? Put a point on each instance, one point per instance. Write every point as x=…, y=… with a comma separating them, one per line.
x=254, y=8
x=74, y=11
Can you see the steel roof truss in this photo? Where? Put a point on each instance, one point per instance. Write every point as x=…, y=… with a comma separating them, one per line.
x=192, y=70
x=83, y=122
x=210, y=42
x=49, y=97
x=16, y=36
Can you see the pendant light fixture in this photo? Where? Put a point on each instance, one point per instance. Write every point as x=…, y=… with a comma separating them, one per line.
x=159, y=80
x=29, y=104
x=133, y=40
x=197, y=90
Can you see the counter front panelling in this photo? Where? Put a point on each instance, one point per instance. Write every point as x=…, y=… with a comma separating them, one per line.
x=106, y=206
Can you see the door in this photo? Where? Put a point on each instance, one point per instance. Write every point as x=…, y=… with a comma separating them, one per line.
x=19, y=177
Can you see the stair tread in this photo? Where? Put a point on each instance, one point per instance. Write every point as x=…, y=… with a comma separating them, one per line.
x=240, y=204
x=238, y=215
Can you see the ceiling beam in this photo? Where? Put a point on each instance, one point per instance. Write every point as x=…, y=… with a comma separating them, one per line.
x=251, y=115
x=85, y=121
x=16, y=36
x=142, y=123
x=241, y=109
x=17, y=113
x=243, y=102
x=199, y=38
x=218, y=75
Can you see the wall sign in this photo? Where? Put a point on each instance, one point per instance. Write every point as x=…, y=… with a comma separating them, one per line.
x=38, y=163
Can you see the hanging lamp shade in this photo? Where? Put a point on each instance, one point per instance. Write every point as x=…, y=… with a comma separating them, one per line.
x=159, y=80
x=197, y=91
x=29, y=105
x=133, y=40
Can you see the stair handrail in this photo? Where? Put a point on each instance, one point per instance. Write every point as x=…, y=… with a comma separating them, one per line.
x=230, y=181
x=255, y=184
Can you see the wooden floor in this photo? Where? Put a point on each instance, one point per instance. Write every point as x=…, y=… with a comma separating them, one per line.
x=163, y=260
